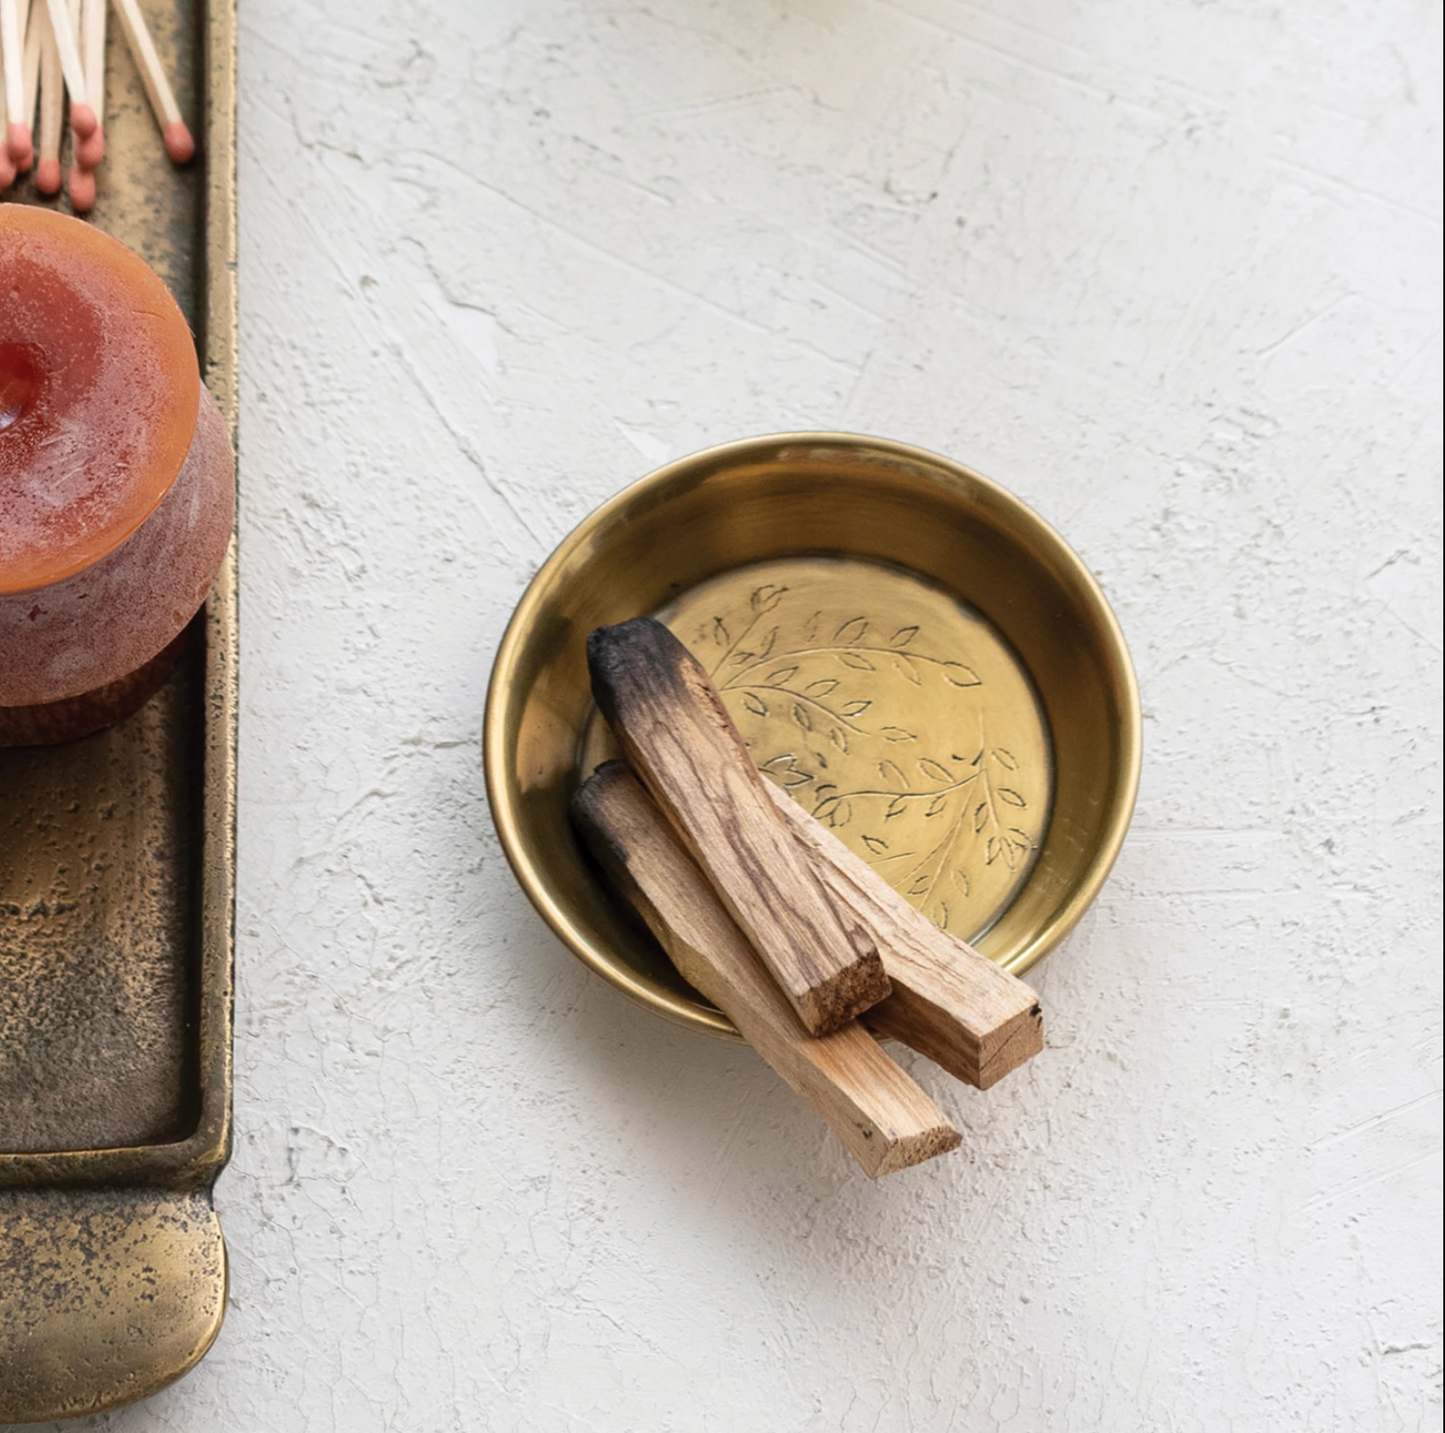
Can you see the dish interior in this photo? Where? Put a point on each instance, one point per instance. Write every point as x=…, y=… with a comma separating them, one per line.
x=897, y=715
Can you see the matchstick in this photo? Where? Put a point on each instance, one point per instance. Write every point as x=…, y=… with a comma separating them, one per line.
x=80, y=186
x=949, y=1002
x=871, y=1104
x=19, y=144
x=179, y=144
x=52, y=106
x=85, y=154
x=92, y=41
x=672, y=726
x=32, y=59
x=82, y=117
x=7, y=165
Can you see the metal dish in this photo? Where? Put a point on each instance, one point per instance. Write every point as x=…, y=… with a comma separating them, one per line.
x=909, y=649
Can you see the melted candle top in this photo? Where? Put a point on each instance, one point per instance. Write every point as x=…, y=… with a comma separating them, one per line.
x=98, y=393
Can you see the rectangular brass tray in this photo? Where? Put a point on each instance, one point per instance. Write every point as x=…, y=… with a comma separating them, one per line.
x=117, y=870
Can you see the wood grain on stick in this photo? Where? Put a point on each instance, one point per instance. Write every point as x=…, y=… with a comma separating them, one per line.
x=876, y=1109
x=948, y=1002
x=671, y=723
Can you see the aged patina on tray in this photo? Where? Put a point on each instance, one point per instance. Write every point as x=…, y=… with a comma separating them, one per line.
x=117, y=860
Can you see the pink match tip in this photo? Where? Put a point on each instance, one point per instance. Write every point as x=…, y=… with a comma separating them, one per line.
x=83, y=121
x=20, y=146
x=89, y=152
x=82, y=189
x=47, y=176
x=179, y=144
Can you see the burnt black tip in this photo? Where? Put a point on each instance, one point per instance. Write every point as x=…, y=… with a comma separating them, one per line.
x=640, y=650
x=634, y=631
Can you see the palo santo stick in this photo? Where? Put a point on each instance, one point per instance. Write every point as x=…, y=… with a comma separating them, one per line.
x=18, y=142
x=949, y=1002
x=179, y=144
x=872, y=1105
x=671, y=723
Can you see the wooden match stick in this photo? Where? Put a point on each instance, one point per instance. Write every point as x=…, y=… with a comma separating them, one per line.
x=30, y=85
x=85, y=154
x=32, y=59
x=7, y=165
x=949, y=1002
x=82, y=118
x=883, y=1117
x=92, y=40
x=680, y=741
x=52, y=106
x=179, y=144
x=19, y=144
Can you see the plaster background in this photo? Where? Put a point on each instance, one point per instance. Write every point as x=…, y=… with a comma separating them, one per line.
x=1169, y=271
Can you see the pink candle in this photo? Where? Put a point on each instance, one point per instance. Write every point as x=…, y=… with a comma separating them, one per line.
x=116, y=475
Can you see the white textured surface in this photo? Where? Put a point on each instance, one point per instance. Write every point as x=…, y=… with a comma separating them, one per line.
x=1168, y=270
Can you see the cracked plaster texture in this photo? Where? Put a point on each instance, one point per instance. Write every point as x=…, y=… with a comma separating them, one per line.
x=1168, y=270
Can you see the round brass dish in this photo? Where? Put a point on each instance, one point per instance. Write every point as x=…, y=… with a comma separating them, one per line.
x=910, y=650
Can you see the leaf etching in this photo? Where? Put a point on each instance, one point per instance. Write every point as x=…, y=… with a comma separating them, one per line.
x=884, y=720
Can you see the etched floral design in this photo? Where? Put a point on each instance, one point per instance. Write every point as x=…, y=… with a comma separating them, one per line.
x=931, y=820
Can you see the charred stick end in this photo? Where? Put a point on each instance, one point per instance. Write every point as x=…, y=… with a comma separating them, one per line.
x=599, y=835
x=632, y=657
